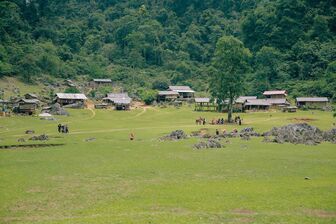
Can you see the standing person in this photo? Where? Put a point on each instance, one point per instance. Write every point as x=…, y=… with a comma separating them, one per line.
x=131, y=136
x=66, y=129
x=217, y=132
x=59, y=128
x=240, y=122
x=204, y=121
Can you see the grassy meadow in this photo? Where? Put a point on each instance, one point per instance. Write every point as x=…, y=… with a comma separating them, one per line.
x=114, y=180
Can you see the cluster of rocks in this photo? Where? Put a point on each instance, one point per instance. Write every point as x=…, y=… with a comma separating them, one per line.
x=302, y=133
x=29, y=132
x=210, y=144
x=42, y=137
x=56, y=109
x=175, y=135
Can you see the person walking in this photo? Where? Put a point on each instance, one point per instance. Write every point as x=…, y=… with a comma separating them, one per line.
x=59, y=128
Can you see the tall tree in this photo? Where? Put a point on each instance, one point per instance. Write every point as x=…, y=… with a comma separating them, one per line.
x=230, y=64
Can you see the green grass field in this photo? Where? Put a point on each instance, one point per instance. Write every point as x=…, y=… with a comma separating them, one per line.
x=114, y=180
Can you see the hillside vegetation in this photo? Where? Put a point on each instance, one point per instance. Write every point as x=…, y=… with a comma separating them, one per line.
x=152, y=44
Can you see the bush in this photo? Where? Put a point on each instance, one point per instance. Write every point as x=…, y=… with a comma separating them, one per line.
x=148, y=96
x=71, y=90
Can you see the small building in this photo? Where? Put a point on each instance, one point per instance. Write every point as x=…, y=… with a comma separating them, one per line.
x=275, y=94
x=185, y=92
x=277, y=103
x=240, y=102
x=101, y=106
x=289, y=109
x=26, y=106
x=121, y=101
x=70, y=83
x=96, y=83
x=70, y=98
x=204, y=104
x=312, y=102
x=167, y=96
x=30, y=96
x=257, y=104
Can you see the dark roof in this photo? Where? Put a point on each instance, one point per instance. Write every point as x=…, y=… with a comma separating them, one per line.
x=275, y=92
x=202, y=100
x=181, y=89
x=31, y=94
x=28, y=101
x=312, y=99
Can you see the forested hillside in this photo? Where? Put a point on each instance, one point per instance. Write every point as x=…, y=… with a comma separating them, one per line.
x=153, y=43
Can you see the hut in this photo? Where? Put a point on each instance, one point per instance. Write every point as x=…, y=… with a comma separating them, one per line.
x=26, y=106
x=312, y=102
x=289, y=109
x=277, y=103
x=96, y=83
x=275, y=94
x=204, y=104
x=70, y=98
x=257, y=104
x=121, y=101
x=167, y=96
x=185, y=92
x=240, y=102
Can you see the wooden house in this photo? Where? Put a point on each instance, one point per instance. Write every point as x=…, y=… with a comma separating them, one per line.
x=240, y=102
x=204, y=104
x=70, y=98
x=312, y=102
x=167, y=96
x=275, y=94
x=185, y=92
x=278, y=103
x=121, y=101
x=257, y=104
x=26, y=106
x=96, y=83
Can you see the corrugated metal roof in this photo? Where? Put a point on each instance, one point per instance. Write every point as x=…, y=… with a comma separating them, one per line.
x=181, y=89
x=242, y=99
x=102, y=80
x=257, y=102
x=164, y=93
x=312, y=99
x=275, y=92
x=278, y=101
x=31, y=94
x=118, y=98
x=202, y=100
x=71, y=96
x=117, y=95
x=30, y=101
x=123, y=101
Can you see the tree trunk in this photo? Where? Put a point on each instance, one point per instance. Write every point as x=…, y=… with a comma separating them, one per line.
x=230, y=107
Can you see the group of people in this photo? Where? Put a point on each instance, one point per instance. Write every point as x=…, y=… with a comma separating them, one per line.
x=217, y=121
x=224, y=131
x=238, y=120
x=201, y=121
x=63, y=128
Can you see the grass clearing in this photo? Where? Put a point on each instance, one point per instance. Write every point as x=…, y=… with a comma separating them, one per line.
x=146, y=181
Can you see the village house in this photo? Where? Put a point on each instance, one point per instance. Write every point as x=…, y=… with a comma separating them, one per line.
x=26, y=106
x=240, y=102
x=167, y=96
x=312, y=102
x=275, y=94
x=96, y=83
x=257, y=104
x=70, y=98
x=121, y=101
x=185, y=92
x=278, y=103
x=204, y=104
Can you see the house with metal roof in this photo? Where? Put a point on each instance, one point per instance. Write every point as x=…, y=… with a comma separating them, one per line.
x=96, y=83
x=277, y=103
x=256, y=104
x=70, y=98
x=121, y=101
x=167, y=96
x=312, y=102
x=240, y=102
x=204, y=104
x=275, y=94
x=185, y=92
x=26, y=106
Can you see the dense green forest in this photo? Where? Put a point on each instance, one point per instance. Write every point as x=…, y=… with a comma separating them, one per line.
x=153, y=43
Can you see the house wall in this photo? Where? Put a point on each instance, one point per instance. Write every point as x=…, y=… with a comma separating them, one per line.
x=313, y=105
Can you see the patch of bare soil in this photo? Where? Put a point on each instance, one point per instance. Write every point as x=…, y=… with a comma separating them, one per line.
x=320, y=213
x=302, y=119
x=239, y=211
